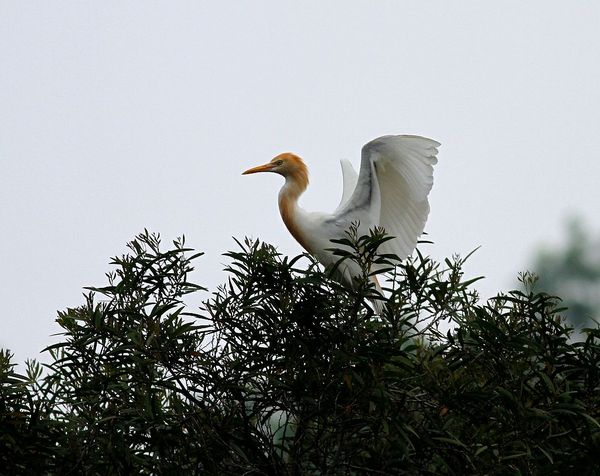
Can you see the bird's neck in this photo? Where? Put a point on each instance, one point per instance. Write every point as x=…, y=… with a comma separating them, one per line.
x=289, y=209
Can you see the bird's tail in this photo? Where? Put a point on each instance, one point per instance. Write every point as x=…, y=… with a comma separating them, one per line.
x=378, y=304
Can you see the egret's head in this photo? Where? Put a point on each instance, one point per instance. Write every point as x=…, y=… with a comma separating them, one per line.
x=287, y=164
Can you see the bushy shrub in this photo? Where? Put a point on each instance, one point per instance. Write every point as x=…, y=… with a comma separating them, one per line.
x=284, y=371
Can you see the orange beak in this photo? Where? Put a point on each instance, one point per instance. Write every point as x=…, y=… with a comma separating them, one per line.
x=261, y=168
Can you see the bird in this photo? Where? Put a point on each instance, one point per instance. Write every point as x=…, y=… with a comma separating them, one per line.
x=390, y=191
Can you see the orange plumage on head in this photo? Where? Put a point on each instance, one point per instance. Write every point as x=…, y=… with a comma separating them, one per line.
x=294, y=168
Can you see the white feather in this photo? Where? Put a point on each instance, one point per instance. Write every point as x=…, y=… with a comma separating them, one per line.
x=349, y=177
x=391, y=190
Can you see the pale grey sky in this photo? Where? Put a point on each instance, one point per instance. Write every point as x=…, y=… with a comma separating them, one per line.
x=119, y=116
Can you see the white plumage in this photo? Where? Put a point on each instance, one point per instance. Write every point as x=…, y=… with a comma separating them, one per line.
x=391, y=191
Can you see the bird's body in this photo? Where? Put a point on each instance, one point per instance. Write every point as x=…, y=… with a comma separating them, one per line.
x=390, y=191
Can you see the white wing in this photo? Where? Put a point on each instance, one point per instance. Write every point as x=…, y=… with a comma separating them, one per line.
x=349, y=177
x=396, y=175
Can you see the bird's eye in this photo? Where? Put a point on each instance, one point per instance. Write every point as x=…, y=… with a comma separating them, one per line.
x=279, y=162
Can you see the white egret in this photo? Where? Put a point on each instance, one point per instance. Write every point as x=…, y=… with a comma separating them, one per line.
x=390, y=191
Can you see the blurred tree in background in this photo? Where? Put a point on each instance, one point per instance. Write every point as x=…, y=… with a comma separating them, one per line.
x=285, y=372
x=572, y=271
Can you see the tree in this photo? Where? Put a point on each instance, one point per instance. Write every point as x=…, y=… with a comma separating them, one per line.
x=285, y=372
x=573, y=272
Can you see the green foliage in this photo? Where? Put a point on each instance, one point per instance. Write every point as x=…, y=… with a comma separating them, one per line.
x=573, y=272
x=283, y=371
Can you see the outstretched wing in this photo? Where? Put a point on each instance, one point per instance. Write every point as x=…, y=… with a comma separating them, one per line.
x=350, y=178
x=396, y=176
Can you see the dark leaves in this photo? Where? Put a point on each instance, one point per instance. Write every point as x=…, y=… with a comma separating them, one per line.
x=286, y=371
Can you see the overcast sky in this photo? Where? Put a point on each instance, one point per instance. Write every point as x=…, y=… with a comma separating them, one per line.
x=118, y=116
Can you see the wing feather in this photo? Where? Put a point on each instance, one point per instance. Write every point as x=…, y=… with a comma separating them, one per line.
x=350, y=178
x=396, y=176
